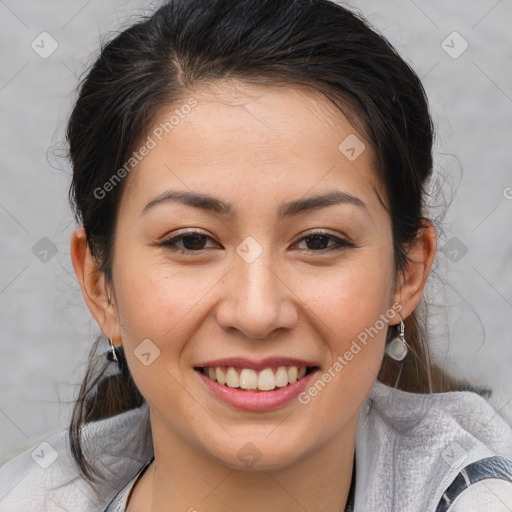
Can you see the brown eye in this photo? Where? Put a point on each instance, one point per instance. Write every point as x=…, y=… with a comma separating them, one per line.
x=193, y=242
x=187, y=242
x=317, y=242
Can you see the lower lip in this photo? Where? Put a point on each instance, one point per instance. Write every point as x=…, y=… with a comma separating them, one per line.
x=257, y=400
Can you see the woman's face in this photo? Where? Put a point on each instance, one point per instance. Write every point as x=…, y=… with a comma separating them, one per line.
x=266, y=272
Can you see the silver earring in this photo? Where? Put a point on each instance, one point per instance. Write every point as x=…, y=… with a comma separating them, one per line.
x=397, y=347
x=112, y=354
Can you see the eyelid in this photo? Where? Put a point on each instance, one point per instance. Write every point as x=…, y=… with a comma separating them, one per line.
x=187, y=231
x=323, y=232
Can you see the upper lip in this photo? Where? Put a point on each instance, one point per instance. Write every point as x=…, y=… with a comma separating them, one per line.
x=269, y=362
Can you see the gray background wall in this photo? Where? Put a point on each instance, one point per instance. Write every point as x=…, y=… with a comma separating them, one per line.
x=46, y=329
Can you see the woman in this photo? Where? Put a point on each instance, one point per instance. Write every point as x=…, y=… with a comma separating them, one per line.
x=249, y=177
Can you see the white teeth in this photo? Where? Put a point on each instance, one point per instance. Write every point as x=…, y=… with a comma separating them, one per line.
x=248, y=379
x=292, y=374
x=232, y=379
x=281, y=378
x=264, y=380
x=219, y=374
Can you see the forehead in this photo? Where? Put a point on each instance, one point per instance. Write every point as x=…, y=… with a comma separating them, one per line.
x=276, y=139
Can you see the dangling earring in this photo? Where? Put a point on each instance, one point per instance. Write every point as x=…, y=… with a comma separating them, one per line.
x=112, y=354
x=397, y=347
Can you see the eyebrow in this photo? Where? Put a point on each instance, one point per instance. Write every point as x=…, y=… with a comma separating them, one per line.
x=212, y=204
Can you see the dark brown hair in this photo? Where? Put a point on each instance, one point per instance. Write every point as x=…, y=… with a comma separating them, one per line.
x=190, y=43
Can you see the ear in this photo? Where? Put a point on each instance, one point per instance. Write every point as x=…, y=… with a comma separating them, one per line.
x=93, y=285
x=412, y=283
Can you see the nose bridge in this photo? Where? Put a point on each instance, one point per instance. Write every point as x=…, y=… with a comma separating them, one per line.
x=256, y=302
x=258, y=284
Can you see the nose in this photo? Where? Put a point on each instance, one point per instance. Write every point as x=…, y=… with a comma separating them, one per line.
x=257, y=301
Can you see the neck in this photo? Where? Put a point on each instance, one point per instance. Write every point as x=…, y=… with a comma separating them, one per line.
x=183, y=479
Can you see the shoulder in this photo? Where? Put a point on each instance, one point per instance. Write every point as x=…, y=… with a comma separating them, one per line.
x=45, y=477
x=485, y=496
x=484, y=485
x=42, y=478
x=413, y=446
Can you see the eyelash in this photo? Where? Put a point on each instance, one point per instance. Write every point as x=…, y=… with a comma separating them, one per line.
x=340, y=243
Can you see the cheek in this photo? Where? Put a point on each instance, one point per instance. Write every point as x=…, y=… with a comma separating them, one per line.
x=350, y=314
x=350, y=310
x=159, y=303
x=351, y=298
x=159, y=311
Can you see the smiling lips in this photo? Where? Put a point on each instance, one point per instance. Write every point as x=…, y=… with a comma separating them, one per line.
x=265, y=375
x=249, y=379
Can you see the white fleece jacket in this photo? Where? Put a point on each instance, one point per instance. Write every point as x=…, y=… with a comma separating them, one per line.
x=409, y=449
